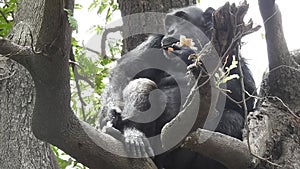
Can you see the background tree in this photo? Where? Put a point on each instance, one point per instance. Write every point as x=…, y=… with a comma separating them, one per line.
x=40, y=40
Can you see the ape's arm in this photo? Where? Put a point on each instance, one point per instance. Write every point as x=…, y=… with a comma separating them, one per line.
x=120, y=124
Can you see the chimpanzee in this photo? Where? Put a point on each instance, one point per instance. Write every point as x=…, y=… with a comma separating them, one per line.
x=152, y=75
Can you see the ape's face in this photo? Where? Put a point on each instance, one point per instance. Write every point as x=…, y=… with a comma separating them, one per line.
x=191, y=22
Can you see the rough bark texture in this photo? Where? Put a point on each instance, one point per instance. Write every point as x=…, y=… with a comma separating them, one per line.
x=281, y=92
x=19, y=148
x=129, y=7
x=284, y=78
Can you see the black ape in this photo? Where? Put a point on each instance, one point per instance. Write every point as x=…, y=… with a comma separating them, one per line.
x=149, y=76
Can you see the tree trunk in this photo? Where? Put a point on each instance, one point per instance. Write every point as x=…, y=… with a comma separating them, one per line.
x=129, y=7
x=19, y=148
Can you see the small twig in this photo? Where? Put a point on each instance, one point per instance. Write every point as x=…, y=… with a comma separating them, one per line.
x=270, y=17
x=83, y=78
x=104, y=38
x=80, y=77
x=76, y=75
x=83, y=104
x=275, y=98
x=284, y=66
x=286, y=106
x=92, y=50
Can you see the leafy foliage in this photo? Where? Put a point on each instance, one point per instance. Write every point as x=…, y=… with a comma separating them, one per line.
x=7, y=10
x=64, y=160
x=72, y=21
x=94, y=69
x=105, y=8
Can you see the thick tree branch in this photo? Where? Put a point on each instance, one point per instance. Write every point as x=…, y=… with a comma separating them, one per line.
x=6, y=47
x=231, y=152
x=278, y=52
x=283, y=79
x=94, y=148
x=196, y=111
x=14, y=51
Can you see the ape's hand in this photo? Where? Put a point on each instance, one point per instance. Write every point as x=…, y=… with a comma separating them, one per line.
x=188, y=55
x=109, y=129
x=182, y=51
x=137, y=144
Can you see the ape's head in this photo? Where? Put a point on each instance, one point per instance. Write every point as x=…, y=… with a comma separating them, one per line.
x=191, y=22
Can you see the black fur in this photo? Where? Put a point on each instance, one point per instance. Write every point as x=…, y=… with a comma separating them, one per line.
x=122, y=90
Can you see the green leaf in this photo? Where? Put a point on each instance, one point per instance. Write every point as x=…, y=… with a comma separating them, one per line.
x=78, y=6
x=262, y=35
x=72, y=21
x=102, y=8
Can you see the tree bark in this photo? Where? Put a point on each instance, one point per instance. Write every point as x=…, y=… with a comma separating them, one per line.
x=19, y=148
x=280, y=93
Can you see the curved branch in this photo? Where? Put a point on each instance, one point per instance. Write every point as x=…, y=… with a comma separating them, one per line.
x=196, y=111
x=231, y=152
x=92, y=148
x=104, y=38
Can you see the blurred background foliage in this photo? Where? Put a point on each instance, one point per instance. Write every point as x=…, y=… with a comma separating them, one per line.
x=7, y=10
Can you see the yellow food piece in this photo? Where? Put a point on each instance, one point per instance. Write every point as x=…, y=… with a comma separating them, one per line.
x=188, y=42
